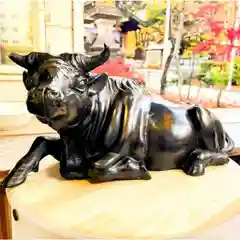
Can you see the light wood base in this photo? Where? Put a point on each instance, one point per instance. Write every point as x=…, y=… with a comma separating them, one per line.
x=34, y=127
x=172, y=204
x=235, y=152
x=25, y=229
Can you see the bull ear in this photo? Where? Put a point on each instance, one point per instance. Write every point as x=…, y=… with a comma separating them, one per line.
x=97, y=85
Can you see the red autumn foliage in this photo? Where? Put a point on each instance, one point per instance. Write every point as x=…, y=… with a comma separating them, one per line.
x=204, y=46
x=216, y=27
x=207, y=10
x=233, y=34
x=213, y=46
x=117, y=68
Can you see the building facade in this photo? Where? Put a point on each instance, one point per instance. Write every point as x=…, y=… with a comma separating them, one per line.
x=36, y=25
x=44, y=25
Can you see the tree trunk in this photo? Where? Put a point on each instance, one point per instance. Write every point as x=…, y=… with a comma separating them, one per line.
x=234, y=50
x=219, y=97
x=189, y=89
x=176, y=52
x=193, y=61
x=191, y=76
x=198, y=92
x=165, y=71
x=166, y=59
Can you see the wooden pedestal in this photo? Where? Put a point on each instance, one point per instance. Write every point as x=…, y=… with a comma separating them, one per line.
x=172, y=204
x=5, y=212
x=12, y=148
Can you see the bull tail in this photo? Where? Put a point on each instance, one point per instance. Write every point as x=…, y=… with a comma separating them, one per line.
x=229, y=146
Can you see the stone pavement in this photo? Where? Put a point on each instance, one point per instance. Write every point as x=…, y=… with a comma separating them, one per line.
x=207, y=94
x=231, y=122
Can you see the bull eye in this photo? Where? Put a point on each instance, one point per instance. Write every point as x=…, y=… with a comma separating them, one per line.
x=31, y=58
x=45, y=77
x=27, y=80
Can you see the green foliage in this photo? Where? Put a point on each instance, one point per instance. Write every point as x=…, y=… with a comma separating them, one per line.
x=217, y=73
x=236, y=73
x=217, y=77
x=193, y=41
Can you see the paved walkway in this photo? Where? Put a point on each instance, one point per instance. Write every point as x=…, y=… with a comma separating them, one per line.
x=231, y=121
x=207, y=94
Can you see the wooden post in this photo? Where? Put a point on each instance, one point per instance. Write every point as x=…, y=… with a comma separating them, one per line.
x=78, y=25
x=166, y=33
x=5, y=212
x=234, y=50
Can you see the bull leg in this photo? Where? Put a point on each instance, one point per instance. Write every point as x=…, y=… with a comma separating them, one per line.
x=199, y=159
x=127, y=163
x=71, y=165
x=117, y=167
x=73, y=168
x=40, y=148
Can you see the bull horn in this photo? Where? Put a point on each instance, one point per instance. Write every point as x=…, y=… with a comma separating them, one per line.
x=19, y=60
x=90, y=63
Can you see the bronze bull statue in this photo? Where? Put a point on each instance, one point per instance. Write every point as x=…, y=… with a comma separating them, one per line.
x=109, y=129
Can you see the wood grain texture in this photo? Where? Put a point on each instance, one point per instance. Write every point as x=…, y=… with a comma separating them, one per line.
x=235, y=152
x=172, y=204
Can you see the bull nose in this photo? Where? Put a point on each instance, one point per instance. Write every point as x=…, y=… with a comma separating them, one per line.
x=36, y=95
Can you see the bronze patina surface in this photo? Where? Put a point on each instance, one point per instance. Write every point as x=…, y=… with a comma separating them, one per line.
x=109, y=129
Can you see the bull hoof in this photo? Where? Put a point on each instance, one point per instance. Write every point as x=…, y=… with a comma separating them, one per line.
x=195, y=169
x=72, y=175
x=19, y=173
x=108, y=175
x=12, y=181
x=129, y=169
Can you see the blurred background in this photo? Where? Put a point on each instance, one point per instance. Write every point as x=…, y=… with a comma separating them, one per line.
x=203, y=37
x=183, y=51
